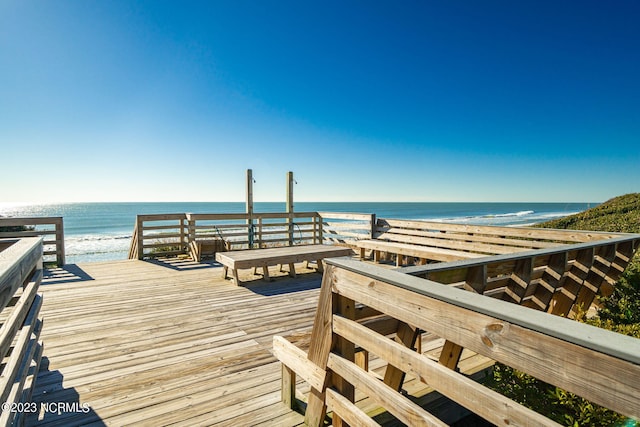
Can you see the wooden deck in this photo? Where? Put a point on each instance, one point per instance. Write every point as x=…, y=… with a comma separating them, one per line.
x=170, y=342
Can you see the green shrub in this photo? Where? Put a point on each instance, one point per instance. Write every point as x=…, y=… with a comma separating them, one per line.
x=15, y=228
x=619, y=312
x=623, y=305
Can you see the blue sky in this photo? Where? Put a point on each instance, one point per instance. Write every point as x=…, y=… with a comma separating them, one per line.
x=362, y=100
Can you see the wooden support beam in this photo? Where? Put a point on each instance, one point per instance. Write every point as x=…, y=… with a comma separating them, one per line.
x=450, y=355
x=407, y=336
x=288, y=386
x=518, y=284
x=483, y=401
x=564, y=299
x=585, y=355
x=344, y=347
x=477, y=278
x=343, y=409
x=362, y=359
x=408, y=412
x=297, y=360
x=595, y=278
x=551, y=280
x=319, y=348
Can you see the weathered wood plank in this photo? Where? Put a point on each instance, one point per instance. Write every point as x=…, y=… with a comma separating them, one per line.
x=405, y=335
x=465, y=237
x=297, y=360
x=348, y=411
x=534, y=342
x=346, y=308
x=479, y=399
x=130, y=370
x=23, y=338
x=18, y=314
x=540, y=254
x=388, y=397
x=519, y=232
x=321, y=343
x=264, y=258
x=433, y=253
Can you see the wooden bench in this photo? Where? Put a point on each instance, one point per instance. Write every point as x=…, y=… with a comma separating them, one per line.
x=434, y=241
x=410, y=250
x=254, y=258
x=20, y=303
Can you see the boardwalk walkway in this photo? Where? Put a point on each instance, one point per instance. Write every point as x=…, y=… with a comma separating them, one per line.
x=170, y=342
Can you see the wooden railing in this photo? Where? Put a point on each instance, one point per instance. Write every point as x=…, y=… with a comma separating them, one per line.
x=50, y=228
x=256, y=230
x=344, y=228
x=410, y=231
x=20, y=350
x=561, y=280
x=447, y=242
x=159, y=235
x=599, y=365
x=172, y=234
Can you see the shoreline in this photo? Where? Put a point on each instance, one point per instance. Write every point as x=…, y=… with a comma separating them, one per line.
x=102, y=231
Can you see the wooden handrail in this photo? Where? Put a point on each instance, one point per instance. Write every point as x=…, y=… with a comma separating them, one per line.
x=179, y=232
x=561, y=280
x=167, y=237
x=348, y=226
x=597, y=364
x=20, y=277
x=52, y=238
x=491, y=230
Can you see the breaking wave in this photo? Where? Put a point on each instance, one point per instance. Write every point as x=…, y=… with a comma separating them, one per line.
x=97, y=247
x=520, y=218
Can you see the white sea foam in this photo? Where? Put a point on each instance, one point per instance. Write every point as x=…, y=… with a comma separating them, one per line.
x=102, y=231
x=521, y=213
x=96, y=247
x=519, y=218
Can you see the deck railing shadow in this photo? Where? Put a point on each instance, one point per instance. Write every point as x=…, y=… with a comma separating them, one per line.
x=68, y=409
x=183, y=264
x=69, y=273
x=20, y=345
x=51, y=230
x=285, y=285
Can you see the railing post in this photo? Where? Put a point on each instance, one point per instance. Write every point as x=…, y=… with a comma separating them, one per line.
x=315, y=228
x=346, y=349
x=190, y=229
x=320, y=347
x=139, y=225
x=182, y=235
x=60, y=255
x=288, y=386
x=373, y=226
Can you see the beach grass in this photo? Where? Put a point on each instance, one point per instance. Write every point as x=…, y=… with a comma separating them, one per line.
x=619, y=312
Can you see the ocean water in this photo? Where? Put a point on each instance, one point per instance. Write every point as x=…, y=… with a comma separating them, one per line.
x=102, y=231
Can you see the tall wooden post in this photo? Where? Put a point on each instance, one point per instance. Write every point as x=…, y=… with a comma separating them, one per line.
x=289, y=208
x=140, y=230
x=250, y=207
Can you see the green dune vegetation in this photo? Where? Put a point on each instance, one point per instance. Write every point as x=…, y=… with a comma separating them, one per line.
x=619, y=312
